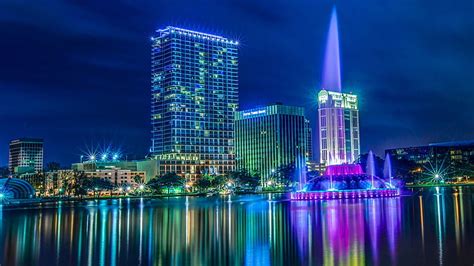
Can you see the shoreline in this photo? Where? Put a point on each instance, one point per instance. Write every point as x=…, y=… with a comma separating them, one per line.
x=440, y=185
x=45, y=200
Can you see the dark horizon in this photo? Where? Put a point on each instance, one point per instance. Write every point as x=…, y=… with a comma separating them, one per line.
x=85, y=82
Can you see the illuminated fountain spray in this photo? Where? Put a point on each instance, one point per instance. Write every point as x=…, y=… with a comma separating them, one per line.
x=387, y=169
x=332, y=67
x=301, y=171
x=371, y=167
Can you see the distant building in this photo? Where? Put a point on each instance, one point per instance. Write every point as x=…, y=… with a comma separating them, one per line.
x=25, y=155
x=148, y=167
x=461, y=152
x=118, y=177
x=271, y=137
x=194, y=97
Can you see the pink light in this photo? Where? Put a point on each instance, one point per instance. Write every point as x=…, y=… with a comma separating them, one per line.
x=343, y=169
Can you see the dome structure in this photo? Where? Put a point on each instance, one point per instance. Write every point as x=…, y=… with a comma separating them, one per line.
x=14, y=188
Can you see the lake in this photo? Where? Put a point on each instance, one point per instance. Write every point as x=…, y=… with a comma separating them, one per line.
x=429, y=226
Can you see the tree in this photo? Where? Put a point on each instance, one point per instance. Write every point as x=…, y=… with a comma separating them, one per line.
x=52, y=166
x=203, y=183
x=167, y=181
x=243, y=179
x=137, y=179
x=285, y=174
x=94, y=183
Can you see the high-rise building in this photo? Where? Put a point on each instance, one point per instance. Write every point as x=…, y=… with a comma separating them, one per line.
x=25, y=154
x=271, y=137
x=194, y=99
x=338, y=127
x=338, y=114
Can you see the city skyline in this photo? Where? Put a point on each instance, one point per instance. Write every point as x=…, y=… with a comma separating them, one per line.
x=84, y=100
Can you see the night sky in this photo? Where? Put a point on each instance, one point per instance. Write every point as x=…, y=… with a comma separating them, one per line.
x=78, y=74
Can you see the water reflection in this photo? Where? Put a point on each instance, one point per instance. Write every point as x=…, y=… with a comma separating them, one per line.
x=432, y=226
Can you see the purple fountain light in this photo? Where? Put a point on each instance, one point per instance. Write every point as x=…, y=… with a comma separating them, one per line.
x=387, y=169
x=344, y=169
x=332, y=67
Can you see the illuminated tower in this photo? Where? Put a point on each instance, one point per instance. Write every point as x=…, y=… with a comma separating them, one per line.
x=338, y=113
x=194, y=98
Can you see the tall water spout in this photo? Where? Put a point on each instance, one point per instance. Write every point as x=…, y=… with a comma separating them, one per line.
x=301, y=171
x=332, y=67
x=387, y=169
x=371, y=167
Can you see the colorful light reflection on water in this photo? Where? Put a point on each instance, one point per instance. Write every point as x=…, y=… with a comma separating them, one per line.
x=429, y=227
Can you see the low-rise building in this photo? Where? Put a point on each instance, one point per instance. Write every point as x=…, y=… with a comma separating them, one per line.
x=118, y=177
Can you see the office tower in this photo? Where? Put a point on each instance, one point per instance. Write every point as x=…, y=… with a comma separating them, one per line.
x=338, y=114
x=271, y=137
x=25, y=155
x=194, y=99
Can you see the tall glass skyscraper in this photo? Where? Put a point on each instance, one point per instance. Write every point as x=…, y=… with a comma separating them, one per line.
x=194, y=99
x=338, y=113
x=271, y=137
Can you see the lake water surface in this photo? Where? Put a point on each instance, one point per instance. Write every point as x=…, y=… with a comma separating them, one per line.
x=429, y=227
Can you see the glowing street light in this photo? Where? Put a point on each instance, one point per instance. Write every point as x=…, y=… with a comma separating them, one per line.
x=2, y=195
x=128, y=188
x=141, y=187
x=115, y=157
x=104, y=156
x=92, y=157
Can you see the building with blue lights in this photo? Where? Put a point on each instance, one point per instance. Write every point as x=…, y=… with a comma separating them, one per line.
x=271, y=137
x=193, y=101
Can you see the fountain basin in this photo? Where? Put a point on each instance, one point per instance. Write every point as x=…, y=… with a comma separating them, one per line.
x=345, y=194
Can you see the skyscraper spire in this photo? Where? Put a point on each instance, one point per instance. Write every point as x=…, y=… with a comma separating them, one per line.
x=332, y=67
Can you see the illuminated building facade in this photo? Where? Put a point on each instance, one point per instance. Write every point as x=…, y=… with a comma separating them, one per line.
x=455, y=153
x=118, y=177
x=194, y=99
x=25, y=154
x=338, y=114
x=271, y=137
x=338, y=127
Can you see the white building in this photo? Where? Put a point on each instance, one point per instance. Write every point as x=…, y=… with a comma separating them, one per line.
x=339, y=136
x=119, y=177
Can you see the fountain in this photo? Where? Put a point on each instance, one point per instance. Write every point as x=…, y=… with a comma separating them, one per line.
x=387, y=169
x=371, y=168
x=347, y=181
x=341, y=181
x=332, y=68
